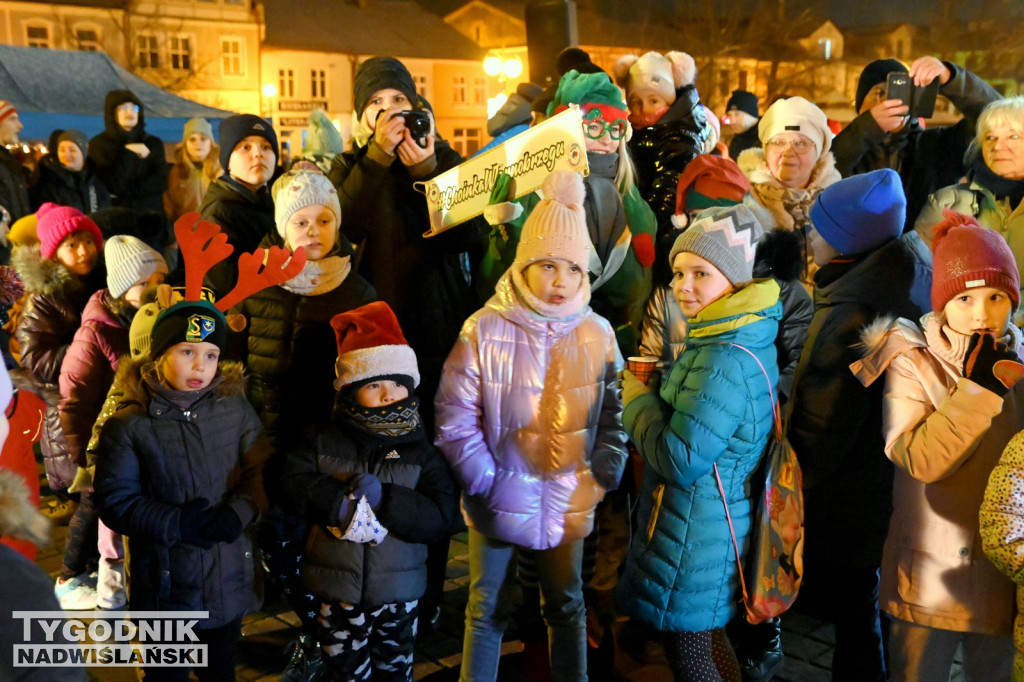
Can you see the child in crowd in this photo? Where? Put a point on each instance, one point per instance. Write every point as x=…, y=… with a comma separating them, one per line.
x=669, y=127
x=620, y=224
x=239, y=200
x=704, y=430
x=373, y=464
x=179, y=467
x=59, y=275
x=867, y=270
x=528, y=418
x=950, y=407
x=195, y=166
x=85, y=377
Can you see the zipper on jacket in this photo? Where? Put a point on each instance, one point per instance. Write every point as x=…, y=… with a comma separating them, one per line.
x=658, y=493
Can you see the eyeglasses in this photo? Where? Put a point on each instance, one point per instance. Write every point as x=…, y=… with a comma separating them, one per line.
x=596, y=129
x=128, y=106
x=800, y=146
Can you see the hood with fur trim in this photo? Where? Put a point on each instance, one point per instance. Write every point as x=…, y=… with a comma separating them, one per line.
x=41, y=276
x=133, y=396
x=18, y=516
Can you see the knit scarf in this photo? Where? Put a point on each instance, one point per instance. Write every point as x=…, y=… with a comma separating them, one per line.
x=606, y=218
x=183, y=400
x=319, y=276
x=1002, y=188
x=559, y=311
x=399, y=422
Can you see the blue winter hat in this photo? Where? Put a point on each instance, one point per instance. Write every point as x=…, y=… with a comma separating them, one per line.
x=862, y=212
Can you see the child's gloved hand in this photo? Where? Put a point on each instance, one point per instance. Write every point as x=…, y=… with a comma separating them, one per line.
x=223, y=525
x=633, y=388
x=366, y=485
x=193, y=517
x=991, y=364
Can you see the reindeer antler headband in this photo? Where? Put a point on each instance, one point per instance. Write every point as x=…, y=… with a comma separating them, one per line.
x=203, y=245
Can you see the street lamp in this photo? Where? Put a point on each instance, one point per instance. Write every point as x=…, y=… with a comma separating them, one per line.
x=496, y=66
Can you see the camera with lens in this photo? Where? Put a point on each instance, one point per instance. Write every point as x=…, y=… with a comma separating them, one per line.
x=418, y=125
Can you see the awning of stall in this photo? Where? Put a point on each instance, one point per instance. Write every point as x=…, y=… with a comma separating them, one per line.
x=60, y=89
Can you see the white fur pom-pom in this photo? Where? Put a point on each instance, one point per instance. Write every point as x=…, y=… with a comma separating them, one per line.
x=621, y=69
x=684, y=69
x=565, y=187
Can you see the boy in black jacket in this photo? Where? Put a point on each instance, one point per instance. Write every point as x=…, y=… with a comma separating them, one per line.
x=375, y=491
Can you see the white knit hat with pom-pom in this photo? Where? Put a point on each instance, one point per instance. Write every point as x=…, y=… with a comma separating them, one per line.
x=664, y=74
x=557, y=226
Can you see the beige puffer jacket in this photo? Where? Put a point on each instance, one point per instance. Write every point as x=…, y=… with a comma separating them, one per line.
x=944, y=433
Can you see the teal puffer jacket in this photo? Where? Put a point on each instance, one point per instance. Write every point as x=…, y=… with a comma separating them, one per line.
x=714, y=407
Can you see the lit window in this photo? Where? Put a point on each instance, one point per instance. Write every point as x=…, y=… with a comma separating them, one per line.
x=88, y=40
x=37, y=36
x=479, y=91
x=318, y=83
x=179, y=49
x=421, y=85
x=231, y=63
x=467, y=141
x=459, y=90
x=147, y=52
x=286, y=80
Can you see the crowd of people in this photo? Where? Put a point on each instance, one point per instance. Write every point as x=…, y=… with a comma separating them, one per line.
x=238, y=368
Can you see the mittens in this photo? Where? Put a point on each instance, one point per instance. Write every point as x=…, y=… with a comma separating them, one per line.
x=223, y=525
x=989, y=364
x=368, y=486
x=193, y=517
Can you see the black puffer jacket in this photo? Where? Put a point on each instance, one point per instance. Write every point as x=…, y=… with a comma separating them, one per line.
x=81, y=189
x=13, y=186
x=423, y=280
x=660, y=152
x=925, y=159
x=53, y=312
x=417, y=507
x=246, y=217
x=154, y=458
x=133, y=182
x=290, y=350
x=836, y=423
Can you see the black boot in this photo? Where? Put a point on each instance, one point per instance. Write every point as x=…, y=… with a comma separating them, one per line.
x=758, y=648
x=307, y=663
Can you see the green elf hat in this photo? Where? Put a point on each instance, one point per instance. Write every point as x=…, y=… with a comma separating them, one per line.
x=594, y=93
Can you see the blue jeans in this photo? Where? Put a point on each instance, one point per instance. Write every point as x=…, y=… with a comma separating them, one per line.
x=491, y=581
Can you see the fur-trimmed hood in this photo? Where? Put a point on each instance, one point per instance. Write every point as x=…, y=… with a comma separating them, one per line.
x=133, y=395
x=755, y=166
x=41, y=276
x=779, y=255
x=19, y=518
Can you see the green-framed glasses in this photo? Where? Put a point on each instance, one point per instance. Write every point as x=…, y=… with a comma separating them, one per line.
x=596, y=129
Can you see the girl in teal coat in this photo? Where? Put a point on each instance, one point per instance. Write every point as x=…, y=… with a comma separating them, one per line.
x=714, y=409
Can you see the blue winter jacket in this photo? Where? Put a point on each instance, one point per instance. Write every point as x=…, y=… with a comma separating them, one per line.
x=714, y=407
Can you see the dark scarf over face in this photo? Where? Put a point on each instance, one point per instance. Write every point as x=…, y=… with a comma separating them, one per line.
x=606, y=218
x=398, y=422
x=1003, y=188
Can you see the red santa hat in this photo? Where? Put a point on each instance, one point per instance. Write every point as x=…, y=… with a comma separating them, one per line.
x=371, y=345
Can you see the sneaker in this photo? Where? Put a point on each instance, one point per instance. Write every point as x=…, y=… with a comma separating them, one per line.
x=110, y=594
x=307, y=662
x=76, y=594
x=59, y=511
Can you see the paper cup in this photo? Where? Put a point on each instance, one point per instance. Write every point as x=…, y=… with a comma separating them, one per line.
x=642, y=367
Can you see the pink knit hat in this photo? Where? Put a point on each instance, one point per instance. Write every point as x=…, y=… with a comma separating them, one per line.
x=557, y=226
x=55, y=223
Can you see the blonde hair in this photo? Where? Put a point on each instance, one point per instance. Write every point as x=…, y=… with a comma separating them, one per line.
x=1008, y=111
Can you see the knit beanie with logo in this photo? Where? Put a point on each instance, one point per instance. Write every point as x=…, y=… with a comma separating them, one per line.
x=557, y=226
x=862, y=212
x=298, y=189
x=966, y=255
x=726, y=237
x=188, y=322
x=54, y=223
x=796, y=115
x=371, y=346
x=743, y=100
x=234, y=129
x=130, y=261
